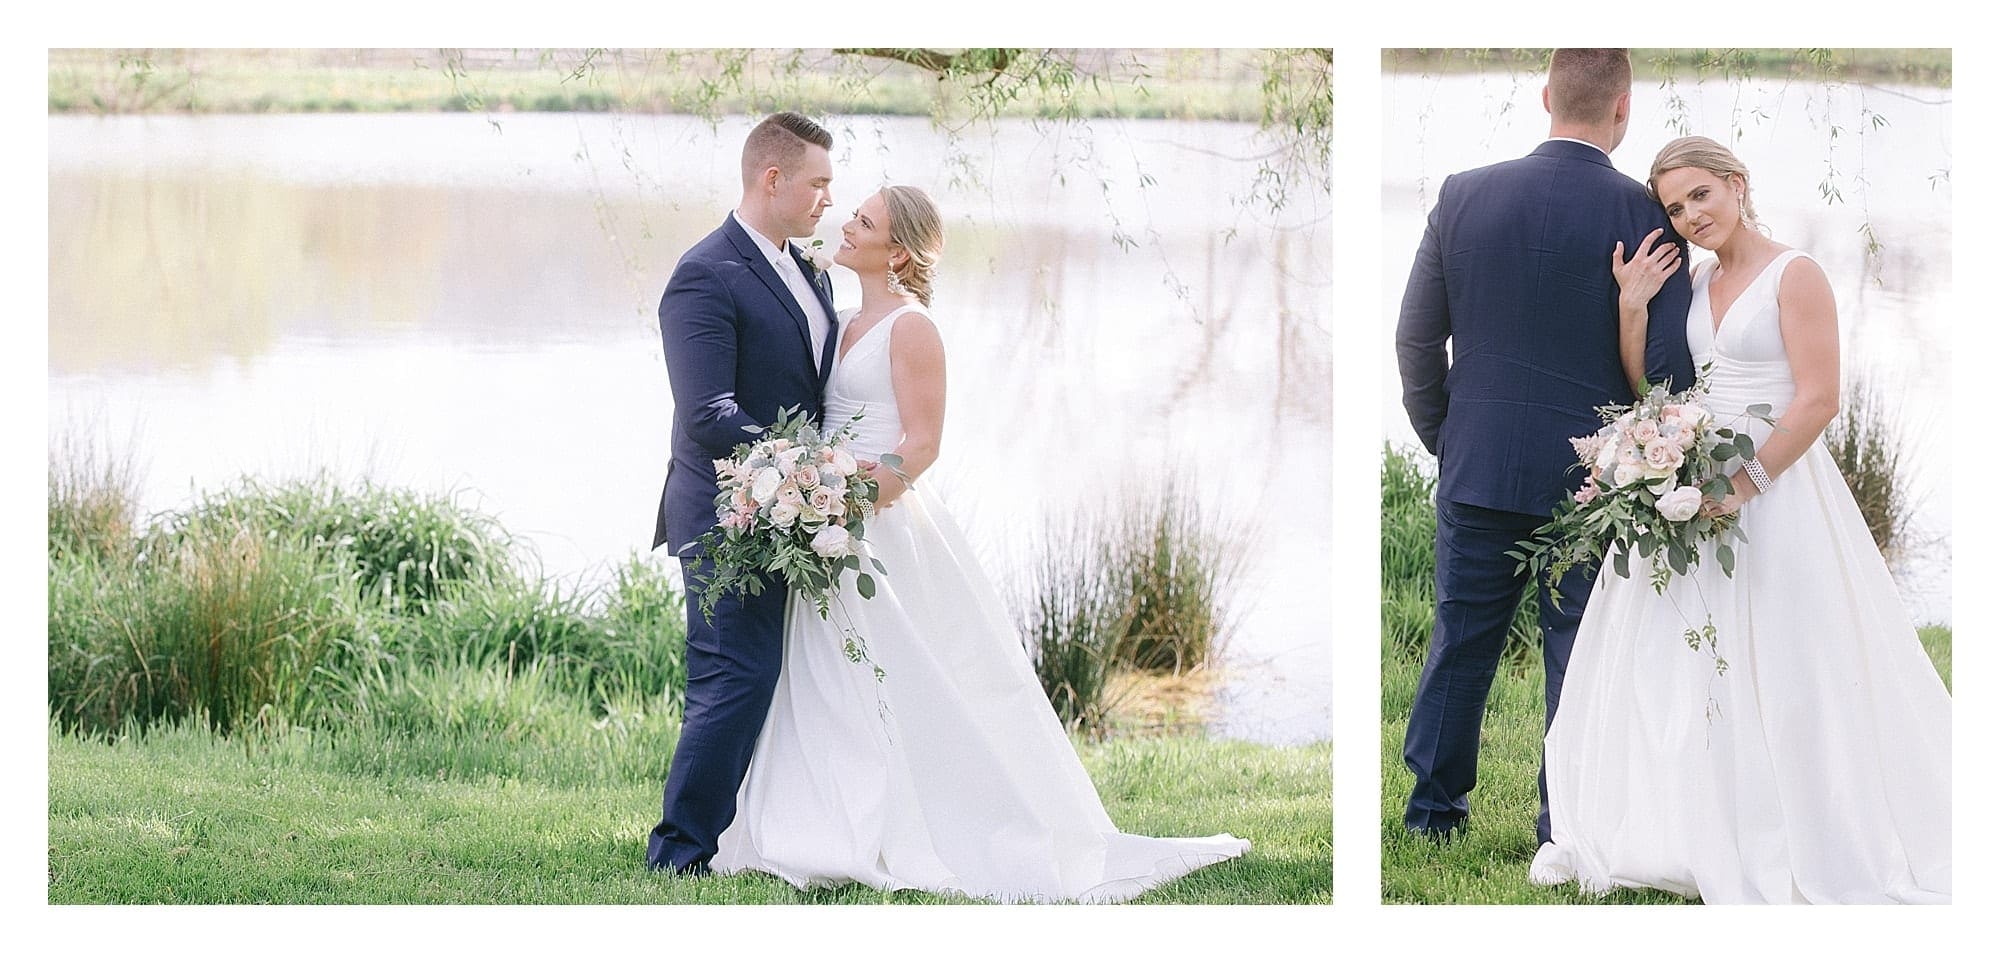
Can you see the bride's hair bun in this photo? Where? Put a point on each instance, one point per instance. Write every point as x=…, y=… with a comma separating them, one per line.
x=914, y=223
x=1701, y=152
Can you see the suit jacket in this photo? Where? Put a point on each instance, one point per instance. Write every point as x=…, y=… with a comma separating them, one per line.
x=738, y=350
x=1515, y=271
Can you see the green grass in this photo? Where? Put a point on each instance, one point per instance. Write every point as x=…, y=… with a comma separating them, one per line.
x=1489, y=863
x=184, y=816
x=306, y=693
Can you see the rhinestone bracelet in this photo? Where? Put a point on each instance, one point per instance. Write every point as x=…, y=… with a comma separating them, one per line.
x=1757, y=475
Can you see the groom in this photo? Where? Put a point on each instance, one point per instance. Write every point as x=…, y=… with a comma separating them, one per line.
x=1515, y=272
x=748, y=328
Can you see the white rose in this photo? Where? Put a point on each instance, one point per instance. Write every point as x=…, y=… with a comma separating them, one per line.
x=843, y=463
x=1681, y=504
x=833, y=541
x=764, y=485
x=784, y=514
x=1627, y=474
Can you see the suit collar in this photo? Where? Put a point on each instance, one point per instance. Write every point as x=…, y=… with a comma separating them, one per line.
x=1573, y=149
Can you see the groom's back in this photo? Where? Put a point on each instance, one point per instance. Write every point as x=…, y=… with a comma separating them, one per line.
x=1523, y=249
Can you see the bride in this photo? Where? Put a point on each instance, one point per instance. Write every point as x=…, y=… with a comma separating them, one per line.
x=951, y=774
x=1817, y=769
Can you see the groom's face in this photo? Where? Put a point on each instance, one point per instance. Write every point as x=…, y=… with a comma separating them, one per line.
x=803, y=192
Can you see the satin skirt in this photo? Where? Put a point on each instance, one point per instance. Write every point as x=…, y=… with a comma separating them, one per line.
x=951, y=774
x=1817, y=769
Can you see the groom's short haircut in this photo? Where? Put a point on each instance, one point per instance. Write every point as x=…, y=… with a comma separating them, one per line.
x=779, y=141
x=1584, y=85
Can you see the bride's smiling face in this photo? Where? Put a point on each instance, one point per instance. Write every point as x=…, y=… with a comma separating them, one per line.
x=1705, y=208
x=864, y=241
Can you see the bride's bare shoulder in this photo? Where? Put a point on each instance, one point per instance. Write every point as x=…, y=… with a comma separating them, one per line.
x=915, y=336
x=1804, y=286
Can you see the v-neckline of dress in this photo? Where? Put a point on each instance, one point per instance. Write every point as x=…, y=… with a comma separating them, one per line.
x=841, y=356
x=1715, y=325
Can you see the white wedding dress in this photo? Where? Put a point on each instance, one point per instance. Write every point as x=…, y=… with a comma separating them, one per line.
x=951, y=774
x=1822, y=773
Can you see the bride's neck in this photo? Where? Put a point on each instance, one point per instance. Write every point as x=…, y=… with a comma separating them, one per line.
x=876, y=298
x=1747, y=245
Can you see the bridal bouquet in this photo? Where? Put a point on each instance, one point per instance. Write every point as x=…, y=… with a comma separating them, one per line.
x=1651, y=466
x=793, y=504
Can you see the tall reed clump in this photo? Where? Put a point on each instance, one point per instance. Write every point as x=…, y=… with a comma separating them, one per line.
x=622, y=646
x=1171, y=568
x=1144, y=586
x=1409, y=565
x=1073, y=623
x=405, y=546
x=93, y=500
x=305, y=602
x=224, y=625
x=1867, y=445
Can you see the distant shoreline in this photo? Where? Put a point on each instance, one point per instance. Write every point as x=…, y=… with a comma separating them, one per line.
x=1189, y=85
x=1918, y=67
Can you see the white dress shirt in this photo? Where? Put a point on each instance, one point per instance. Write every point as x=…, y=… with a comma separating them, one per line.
x=818, y=322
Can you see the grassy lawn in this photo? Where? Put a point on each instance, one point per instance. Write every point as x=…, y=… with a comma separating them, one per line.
x=184, y=816
x=1489, y=863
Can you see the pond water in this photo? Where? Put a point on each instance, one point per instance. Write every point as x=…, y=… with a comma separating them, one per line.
x=1887, y=150
x=463, y=302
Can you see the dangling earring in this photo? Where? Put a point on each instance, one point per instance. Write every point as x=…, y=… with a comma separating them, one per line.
x=895, y=284
x=1742, y=208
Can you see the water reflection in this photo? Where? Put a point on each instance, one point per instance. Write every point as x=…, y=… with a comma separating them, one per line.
x=433, y=303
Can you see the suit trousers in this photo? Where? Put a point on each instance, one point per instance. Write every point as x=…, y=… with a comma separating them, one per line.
x=1477, y=591
x=732, y=669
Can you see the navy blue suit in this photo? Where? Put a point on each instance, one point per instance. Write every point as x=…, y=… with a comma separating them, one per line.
x=738, y=349
x=1515, y=272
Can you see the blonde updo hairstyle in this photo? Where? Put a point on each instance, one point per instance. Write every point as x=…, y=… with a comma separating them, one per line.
x=1701, y=152
x=916, y=226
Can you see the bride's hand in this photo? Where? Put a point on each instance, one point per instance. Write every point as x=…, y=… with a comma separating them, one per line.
x=888, y=486
x=1641, y=278
x=1740, y=491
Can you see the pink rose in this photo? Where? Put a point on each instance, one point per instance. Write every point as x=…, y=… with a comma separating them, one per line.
x=1646, y=431
x=1664, y=455
x=826, y=502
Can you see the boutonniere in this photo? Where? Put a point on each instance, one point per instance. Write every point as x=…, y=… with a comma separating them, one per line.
x=816, y=257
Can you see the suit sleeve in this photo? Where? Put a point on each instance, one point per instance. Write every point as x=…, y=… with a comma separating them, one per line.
x=698, y=333
x=1667, y=356
x=1422, y=329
